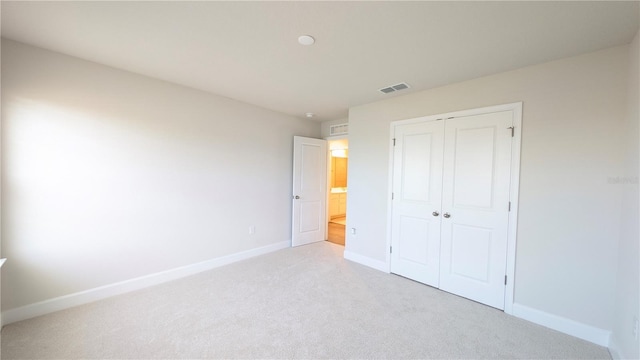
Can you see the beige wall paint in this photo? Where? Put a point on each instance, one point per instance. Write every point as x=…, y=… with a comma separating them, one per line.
x=627, y=301
x=569, y=217
x=108, y=175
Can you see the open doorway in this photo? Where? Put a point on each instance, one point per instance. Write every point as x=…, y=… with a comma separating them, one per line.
x=337, y=200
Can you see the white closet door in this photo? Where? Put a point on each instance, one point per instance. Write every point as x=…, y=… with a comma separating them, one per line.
x=417, y=189
x=475, y=206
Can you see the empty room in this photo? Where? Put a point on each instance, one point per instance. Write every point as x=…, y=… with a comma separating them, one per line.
x=306, y=180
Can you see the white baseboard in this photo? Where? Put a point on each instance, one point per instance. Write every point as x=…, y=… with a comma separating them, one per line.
x=564, y=325
x=367, y=261
x=614, y=351
x=102, y=292
x=618, y=353
x=558, y=323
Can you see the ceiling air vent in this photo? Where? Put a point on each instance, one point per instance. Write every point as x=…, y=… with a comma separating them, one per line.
x=396, y=87
x=339, y=129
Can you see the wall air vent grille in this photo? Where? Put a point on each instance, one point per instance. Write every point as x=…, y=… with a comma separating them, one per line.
x=339, y=129
x=393, y=88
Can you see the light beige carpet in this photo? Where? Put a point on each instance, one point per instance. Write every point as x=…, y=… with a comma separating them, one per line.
x=305, y=302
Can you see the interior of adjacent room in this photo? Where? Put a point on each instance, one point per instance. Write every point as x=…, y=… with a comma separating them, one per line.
x=337, y=204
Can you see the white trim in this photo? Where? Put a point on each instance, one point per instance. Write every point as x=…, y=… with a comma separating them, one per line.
x=469, y=112
x=327, y=194
x=516, y=108
x=387, y=251
x=102, y=292
x=367, y=261
x=614, y=350
x=564, y=325
x=514, y=192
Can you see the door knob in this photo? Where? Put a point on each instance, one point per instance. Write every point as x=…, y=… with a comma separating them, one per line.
x=447, y=215
x=435, y=213
x=296, y=197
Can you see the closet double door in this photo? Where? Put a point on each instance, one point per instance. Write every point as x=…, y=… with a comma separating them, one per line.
x=450, y=207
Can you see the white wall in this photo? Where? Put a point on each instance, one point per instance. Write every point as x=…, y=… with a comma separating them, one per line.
x=108, y=175
x=569, y=217
x=627, y=301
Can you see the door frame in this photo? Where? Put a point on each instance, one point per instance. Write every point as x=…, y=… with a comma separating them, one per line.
x=514, y=188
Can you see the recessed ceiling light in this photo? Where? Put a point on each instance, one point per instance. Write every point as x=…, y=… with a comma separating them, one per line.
x=306, y=40
x=309, y=115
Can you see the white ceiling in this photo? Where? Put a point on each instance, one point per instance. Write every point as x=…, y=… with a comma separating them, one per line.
x=249, y=51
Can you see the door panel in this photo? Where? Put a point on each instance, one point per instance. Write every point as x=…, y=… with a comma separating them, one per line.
x=474, y=167
x=476, y=178
x=417, y=188
x=309, y=216
x=470, y=249
x=413, y=251
x=309, y=185
x=416, y=167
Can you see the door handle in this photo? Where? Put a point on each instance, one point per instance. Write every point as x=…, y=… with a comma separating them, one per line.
x=447, y=215
x=296, y=197
x=435, y=213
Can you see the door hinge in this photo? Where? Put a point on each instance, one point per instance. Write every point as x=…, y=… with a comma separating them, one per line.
x=392, y=196
x=512, y=130
x=390, y=249
x=505, y=279
x=394, y=141
x=509, y=205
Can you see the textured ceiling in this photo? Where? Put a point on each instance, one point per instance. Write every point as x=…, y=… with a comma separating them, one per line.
x=248, y=50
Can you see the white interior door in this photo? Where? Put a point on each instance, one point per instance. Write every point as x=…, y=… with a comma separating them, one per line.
x=309, y=190
x=417, y=193
x=475, y=206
